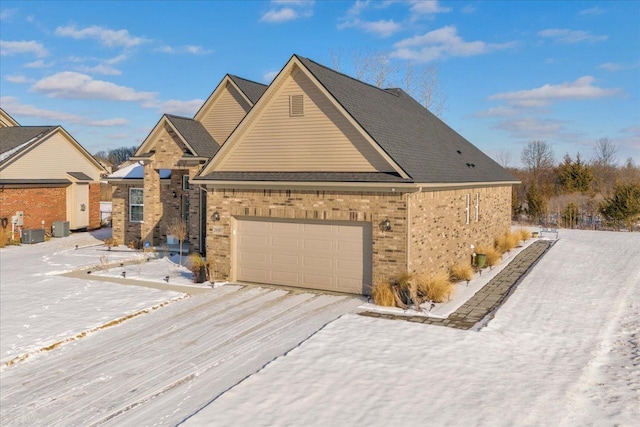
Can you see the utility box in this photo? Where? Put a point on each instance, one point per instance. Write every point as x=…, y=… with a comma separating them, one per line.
x=60, y=229
x=32, y=236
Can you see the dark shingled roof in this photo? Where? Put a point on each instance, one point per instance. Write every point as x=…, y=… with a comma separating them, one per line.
x=38, y=182
x=196, y=135
x=421, y=144
x=80, y=176
x=307, y=176
x=252, y=90
x=15, y=136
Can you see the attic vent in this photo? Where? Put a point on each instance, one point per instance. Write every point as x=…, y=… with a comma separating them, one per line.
x=296, y=105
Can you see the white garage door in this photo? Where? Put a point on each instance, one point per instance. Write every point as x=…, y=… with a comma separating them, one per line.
x=318, y=255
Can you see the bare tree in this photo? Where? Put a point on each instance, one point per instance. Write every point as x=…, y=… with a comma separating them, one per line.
x=604, y=151
x=504, y=158
x=336, y=58
x=178, y=229
x=537, y=156
x=421, y=82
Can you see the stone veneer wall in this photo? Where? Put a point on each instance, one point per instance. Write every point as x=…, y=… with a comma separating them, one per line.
x=389, y=248
x=440, y=236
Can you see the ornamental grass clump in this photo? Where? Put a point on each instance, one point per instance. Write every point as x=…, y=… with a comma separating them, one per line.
x=459, y=272
x=505, y=242
x=492, y=255
x=383, y=294
x=523, y=234
x=436, y=287
x=4, y=237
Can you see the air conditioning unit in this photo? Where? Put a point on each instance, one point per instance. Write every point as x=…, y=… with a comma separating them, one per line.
x=32, y=236
x=60, y=229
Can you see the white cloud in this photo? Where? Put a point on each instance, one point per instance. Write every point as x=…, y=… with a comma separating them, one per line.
x=287, y=10
x=381, y=28
x=498, y=112
x=181, y=108
x=190, y=49
x=423, y=7
x=38, y=64
x=618, y=66
x=17, y=47
x=8, y=14
x=101, y=69
x=592, y=11
x=109, y=122
x=470, y=8
x=12, y=104
x=105, y=36
x=532, y=127
x=442, y=43
x=581, y=88
x=17, y=79
x=71, y=85
x=268, y=77
x=564, y=35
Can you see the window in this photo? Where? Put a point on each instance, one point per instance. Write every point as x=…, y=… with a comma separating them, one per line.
x=185, y=182
x=296, y=105
x=136, y=204
x=466, y=210
x=477, y=206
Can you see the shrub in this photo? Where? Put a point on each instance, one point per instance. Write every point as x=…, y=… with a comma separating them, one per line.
x=459, y=272
x=4, y=237
x=523, y=234
x=506, y=242
x=435, y=287
x=493, y=256
x=111, y=242
x=404, y=290
x=383, y=294
x=197, y=265
x=135, y=244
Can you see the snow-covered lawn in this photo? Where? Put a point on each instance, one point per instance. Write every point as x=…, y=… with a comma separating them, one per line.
x=563, y=350
x=40, y=308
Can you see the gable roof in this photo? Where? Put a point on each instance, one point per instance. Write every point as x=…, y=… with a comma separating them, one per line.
x=191, y=132
x=6, y=120
x=195, y=135
x=14, y=139
x=253, y=90
x=423, y=145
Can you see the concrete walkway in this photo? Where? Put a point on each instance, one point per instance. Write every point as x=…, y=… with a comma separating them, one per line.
x=481, y=307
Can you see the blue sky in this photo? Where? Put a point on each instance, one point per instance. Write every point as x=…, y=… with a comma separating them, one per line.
x=564, y=72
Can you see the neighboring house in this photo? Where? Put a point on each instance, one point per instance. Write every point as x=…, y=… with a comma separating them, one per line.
x=148, y=198
x=331, y=183
x=46, y=174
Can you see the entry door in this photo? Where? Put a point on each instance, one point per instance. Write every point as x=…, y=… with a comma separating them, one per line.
x=332, y=256
x=80, y=206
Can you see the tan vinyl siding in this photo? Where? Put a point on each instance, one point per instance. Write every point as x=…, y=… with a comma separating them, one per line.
x=225, y=113
x=51, y=159
x=322, y=139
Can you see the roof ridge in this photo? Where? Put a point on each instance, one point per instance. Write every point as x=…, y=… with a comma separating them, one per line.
x=178, y=117
x=344, y=75
x=247, y=80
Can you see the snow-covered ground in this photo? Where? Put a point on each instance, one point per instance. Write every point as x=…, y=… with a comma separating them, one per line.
x=563, y=349
x=40, y=308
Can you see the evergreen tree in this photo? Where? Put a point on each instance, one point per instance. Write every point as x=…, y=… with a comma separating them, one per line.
x=623, y=207
x=575, y=176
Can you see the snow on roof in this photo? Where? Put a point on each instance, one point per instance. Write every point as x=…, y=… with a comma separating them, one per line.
x=136, y=171
x=10, y=153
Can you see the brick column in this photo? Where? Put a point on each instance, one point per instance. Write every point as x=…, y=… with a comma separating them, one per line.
x=152, y=205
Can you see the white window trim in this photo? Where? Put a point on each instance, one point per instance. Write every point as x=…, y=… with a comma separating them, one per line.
x=185, y=182
x=477, y=207
x=466, y=210
x=136, y=204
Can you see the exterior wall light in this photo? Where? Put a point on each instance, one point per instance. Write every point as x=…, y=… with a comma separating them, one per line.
x=385, y=225
x=174, y=195
x=216, y=216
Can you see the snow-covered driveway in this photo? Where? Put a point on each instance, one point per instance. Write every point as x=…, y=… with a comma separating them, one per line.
x=164, y=366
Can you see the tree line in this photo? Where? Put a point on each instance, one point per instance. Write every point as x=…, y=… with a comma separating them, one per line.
x=576, y=193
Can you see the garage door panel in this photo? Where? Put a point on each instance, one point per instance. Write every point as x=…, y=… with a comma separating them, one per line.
x=316, y=255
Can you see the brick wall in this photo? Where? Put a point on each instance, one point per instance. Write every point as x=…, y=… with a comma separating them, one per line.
x=38, y=204
x=94, y=206
x=123, y=230
x=389, y=247
x=440, y=236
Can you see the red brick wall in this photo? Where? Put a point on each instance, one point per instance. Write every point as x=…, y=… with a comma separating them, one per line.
x=94, y=206
x=38, y=204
